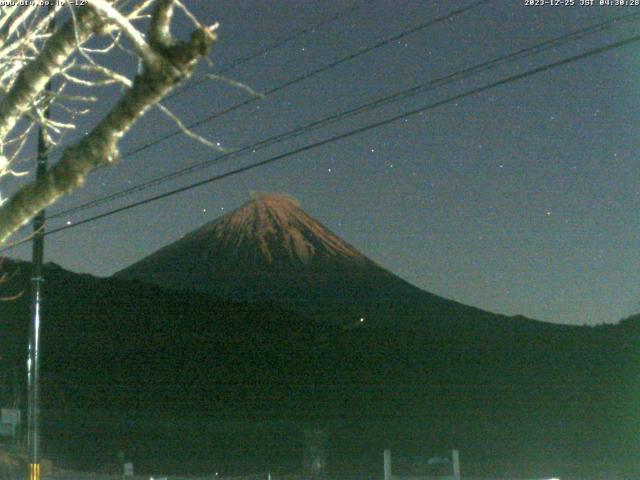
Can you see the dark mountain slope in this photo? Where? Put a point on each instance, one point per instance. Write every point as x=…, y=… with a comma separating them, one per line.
x=135, y=351
x=134, y=338
x=122, y=359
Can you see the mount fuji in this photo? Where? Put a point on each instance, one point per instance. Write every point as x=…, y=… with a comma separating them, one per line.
x=270, y=249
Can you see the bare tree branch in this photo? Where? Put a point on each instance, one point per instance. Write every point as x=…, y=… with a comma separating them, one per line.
x=33, y=78
x=160, y=27
x=112, y=15
x=166, y=64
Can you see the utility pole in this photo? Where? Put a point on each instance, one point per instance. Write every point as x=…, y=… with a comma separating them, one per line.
x=33, y=362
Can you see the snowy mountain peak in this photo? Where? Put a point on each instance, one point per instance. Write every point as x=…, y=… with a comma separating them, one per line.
x=274, y=227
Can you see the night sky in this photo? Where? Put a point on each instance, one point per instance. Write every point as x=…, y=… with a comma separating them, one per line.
x=519, y=200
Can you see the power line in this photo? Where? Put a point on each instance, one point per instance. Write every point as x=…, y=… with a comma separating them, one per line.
x=313, y=73
x=273, y=46
x=399, y=95
x=350, y=133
